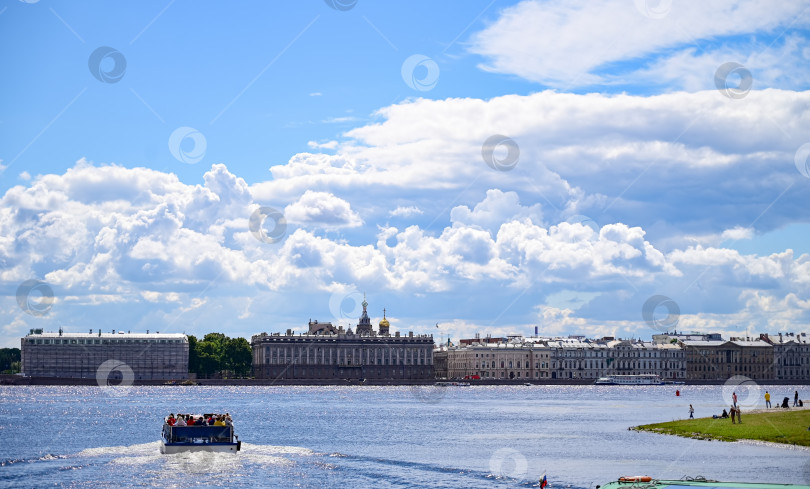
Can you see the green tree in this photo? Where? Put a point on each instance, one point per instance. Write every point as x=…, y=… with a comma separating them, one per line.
x=238, y=356
x=193, y=355
x=210, y=358
x=10, y=360
x=217, y=338
x=217, y=353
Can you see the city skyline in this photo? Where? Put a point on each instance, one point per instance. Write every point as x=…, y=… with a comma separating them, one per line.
x=471, y=167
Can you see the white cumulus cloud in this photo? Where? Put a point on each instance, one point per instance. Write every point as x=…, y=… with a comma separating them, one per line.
x=571, y=43
x=322, y=210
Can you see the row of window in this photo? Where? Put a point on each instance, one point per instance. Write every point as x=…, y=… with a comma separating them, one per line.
x=599, y=354
x=74, y=341
x=394, y=340
x=755, y=360
x=794, y=362
x=737, y=368
x=569, y=364
x=793, y=374
x=327, y=373
x=348, y=356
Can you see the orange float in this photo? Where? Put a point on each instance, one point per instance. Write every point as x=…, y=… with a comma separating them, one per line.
x=636, y=478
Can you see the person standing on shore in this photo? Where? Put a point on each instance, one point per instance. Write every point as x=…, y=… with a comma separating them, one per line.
x=795, y=398
x=691, y=412
x=739, y=415
x=767, y=399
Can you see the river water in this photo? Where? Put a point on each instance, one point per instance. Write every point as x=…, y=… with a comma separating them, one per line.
x=381, y=437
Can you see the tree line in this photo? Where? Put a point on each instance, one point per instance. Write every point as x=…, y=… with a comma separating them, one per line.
x=10, y=360
x=217, y=354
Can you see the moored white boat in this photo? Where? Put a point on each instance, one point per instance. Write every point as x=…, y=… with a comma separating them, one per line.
x=646, y=482
x=647, y=379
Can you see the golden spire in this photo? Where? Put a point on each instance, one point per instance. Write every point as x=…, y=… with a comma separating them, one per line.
x=384, y=323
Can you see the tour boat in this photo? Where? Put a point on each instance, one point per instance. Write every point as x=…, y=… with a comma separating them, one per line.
x=198, y=438
x=650, y=379
x=691, y=483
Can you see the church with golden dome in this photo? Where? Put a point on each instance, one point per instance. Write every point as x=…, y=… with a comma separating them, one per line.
x=326, y=352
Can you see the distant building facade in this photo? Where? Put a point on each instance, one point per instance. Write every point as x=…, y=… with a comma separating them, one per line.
x=440, y=363
x=535, y=358
x=672, y=356
x=80, y=355
x=326, y=352
x=723, y=359
x=507, y=360
x=791, y=355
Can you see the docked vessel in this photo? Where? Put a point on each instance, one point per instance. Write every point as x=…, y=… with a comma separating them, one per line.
x=199, y=437
x=647, y=379
x=637, y=482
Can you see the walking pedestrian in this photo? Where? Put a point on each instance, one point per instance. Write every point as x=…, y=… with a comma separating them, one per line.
x=733, y=412
x=795, y=398
x=739, y=416
x=767, y=399
x=691, y=412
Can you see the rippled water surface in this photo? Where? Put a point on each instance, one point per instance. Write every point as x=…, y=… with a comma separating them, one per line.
x=382, y=437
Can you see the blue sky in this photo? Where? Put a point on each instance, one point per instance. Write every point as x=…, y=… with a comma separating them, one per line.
x=659, y=150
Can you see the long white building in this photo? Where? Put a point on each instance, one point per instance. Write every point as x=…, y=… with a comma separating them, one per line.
x=536, y=358
x=141, y=356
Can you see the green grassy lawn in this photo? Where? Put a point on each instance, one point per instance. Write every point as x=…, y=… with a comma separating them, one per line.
x=789, y=427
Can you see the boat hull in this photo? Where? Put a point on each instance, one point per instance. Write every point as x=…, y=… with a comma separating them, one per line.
x=198, y=438
x=627, y=383
x=171, y=448
x=696, y=483
x=629, y=380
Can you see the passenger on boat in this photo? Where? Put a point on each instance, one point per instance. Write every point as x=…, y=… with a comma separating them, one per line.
x=206, y=420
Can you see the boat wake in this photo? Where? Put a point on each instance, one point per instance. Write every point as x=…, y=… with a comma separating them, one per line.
x=278, y=463
x=138, y=449
x=149, y=454
x=46, y=457
x=420, y=474
x=198, y=462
